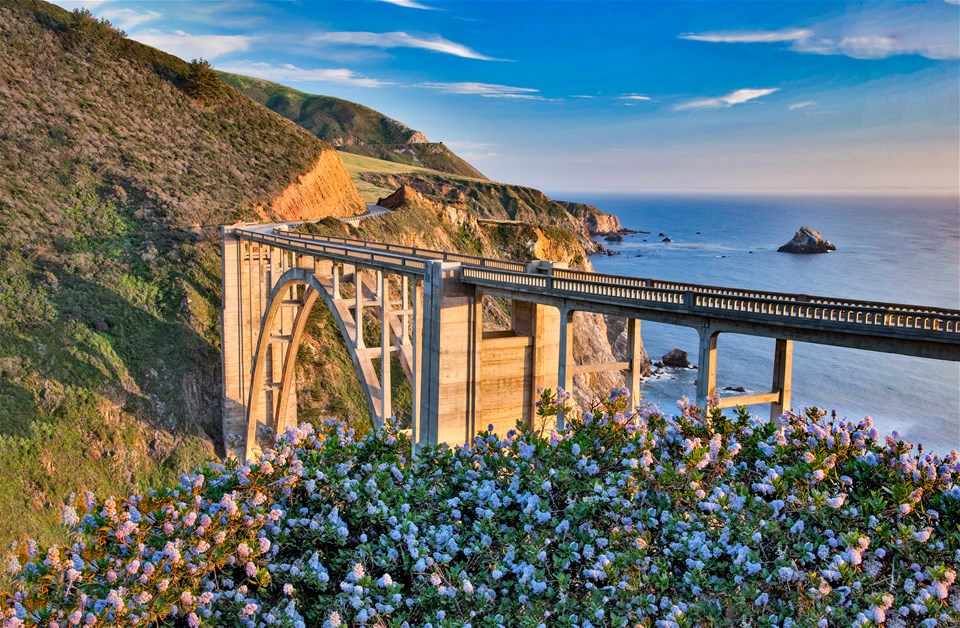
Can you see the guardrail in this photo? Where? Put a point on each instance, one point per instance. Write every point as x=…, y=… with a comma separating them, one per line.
x=341, y=253
x=929, y=322
x=803, y=310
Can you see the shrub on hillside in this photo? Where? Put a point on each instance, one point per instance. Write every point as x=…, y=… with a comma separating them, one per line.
x=700, y=519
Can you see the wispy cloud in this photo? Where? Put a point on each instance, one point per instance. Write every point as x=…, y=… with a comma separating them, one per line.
x=634, y=97
x=409, y=4
x=752, y=37
x=479, y=156
x=126, y=18
x=908, y=31
x=295, y=74
x=881, y=47
x=399, y=39
x=188, y=46
x=737, y=97
x=801, y=105
x=487, y=90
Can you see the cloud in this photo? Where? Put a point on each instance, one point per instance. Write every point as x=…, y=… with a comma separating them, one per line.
x=409, y=4
x=434, y=43
x=737, y=97
x=801, y=105
x=187, y=46
x=881, y=47
x=487, y=90
x=752, y=37
x=292, y=73
x=586, y=96
x=909, y=30
x=634, y=97
x=479, y=156
x=126, y=18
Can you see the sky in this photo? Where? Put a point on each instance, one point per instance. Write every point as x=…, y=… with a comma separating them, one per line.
x=706, y=96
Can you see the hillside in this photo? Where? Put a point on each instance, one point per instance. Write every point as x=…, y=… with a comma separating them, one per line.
x=352, y=127
x=118, y=162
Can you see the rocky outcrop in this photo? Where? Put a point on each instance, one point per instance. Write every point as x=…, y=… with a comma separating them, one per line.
x=418, y=138
x=676, y=358
x=324, y=190
x=404, y=194
x=495, y=201
x=596, y=221
x=807, y=241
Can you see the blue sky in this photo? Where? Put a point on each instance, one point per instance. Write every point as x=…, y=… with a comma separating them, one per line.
x=617, y=96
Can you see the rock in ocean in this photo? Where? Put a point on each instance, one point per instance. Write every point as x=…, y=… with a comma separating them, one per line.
x=807, y=241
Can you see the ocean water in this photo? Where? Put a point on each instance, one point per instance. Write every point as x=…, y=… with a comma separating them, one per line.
x=903, y=250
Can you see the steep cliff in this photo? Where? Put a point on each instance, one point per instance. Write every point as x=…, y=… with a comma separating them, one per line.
x=324, y=190
x=488, y=199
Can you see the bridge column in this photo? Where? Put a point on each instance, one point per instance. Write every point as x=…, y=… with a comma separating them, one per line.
x=707, y=366
x=335, y=270
x=232, y=331
x=635, y=357
x=358, y=307
x=405, y=307
x=450, y=324
x=386, y=403
x=782, y=376
x=565, y=359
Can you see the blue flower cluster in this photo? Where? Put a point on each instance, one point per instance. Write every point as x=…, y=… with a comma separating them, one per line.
x=699, y=519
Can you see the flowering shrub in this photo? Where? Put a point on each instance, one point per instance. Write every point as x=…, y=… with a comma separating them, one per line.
x=700, y=519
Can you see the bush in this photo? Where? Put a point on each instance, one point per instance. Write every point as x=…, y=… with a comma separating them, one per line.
x=700, y=519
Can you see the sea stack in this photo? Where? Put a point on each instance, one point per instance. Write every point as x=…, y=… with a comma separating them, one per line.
x=807, y=241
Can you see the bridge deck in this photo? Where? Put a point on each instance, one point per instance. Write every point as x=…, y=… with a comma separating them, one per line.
x=890, y=327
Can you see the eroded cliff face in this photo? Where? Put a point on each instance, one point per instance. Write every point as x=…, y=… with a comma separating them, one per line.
x=324, y=190
x=492, y=201
x=596, y=221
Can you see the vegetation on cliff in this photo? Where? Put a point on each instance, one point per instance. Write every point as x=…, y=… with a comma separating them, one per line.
x=353, y=127
x=117, y=159
x=694, y=520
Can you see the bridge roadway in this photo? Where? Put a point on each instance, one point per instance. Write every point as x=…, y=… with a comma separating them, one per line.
x=886, y=327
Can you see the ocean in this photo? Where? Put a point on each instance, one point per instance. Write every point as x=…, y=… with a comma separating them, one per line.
x=902, y=250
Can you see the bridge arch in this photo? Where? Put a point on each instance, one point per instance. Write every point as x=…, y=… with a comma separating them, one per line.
x=287, y=292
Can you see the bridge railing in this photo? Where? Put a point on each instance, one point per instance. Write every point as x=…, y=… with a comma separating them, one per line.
x=924, y=322
x=738, y=292
x=689, y=298
x=472, y=260
x=342, y=253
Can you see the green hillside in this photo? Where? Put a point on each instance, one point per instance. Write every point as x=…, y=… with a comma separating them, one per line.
x=117, y=163
x=352, y=127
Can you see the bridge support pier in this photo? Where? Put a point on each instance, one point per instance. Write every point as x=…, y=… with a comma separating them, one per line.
x=778, y=397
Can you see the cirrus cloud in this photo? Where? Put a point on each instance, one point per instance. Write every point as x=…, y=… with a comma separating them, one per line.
x=399, y=39
x=292, y=73
x=737, y=97
x=409, y=4
x=752, y=37
x=487, y=90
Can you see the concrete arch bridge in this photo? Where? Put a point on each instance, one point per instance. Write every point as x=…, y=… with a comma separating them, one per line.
x=429, y=304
